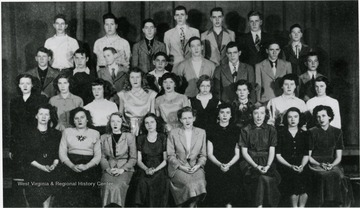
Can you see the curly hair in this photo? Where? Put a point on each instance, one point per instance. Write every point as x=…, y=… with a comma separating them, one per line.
x=326, y=108
x=159, y=123
x=173, y=77
x=301, y=117
x=109, y=90
x=125, y=127
x=66, y=76
x=144, y=84
x=243, y=82
x=35, y=82
x=53, y=114
x=292, y=77
x=327, y=83
x=74, y=111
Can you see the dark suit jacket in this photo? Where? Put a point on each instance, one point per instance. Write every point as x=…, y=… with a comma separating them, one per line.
x=268, y=83
x=307, y=88
x=142, y=58
x=48, y=88
x=177, y=151
x=249, y=53
x=224, y=88
x=298, y=65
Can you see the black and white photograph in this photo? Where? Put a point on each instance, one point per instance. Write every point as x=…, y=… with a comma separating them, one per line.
x=180, y=104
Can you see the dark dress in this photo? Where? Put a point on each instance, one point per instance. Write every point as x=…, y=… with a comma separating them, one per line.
x=223, y=188
x=22, y=117
x=262, y=189
x=42, y=148
x=328, y=186
x=293, y=149
x=152, y=191
x=205, y=117
x=82, y=86
x=242, y=116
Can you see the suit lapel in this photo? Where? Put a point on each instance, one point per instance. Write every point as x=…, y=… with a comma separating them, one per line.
x=109, y=144
x=268, y=70
x=279, y=68
x=49, y=77
x=143, y=47
x=119, y=75
x=227, y=73
x=183, y=140
x=106, y=74
x=194, y=136
x=224, y=41
x=251, y=42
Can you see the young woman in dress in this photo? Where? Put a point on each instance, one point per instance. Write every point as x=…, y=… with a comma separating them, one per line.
x=330, y=186
x=258, y=141
x=136, y=100
x=80, y=151
x=23, y=109
x=242, y=105
x=65, y=101
x=204, y=103
x=292, y=154
x=117, y=161
x=152, y=189
x=101, y=108
x=321, y=88
x=41, y=157
x=222, y=172
x=186, y=149
x=169, y=103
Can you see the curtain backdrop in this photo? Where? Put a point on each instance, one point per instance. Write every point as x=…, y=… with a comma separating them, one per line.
x=330, y=27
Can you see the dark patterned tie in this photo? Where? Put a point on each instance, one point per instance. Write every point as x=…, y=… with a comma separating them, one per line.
x=113, y=75
x=182, y=37
x=257, y=42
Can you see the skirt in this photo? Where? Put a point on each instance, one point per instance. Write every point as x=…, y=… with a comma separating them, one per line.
x=185, y=186
x=114, y=188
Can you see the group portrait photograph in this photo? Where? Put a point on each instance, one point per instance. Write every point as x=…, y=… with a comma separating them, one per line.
x=180, y=104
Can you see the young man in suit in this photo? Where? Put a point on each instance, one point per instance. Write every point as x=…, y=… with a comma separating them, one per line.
x=217, y=37
x=230, y=72
x=296, y=51
x=144, y=49
x=307, y=79
x=195, y=66
x=62, y=45
x=254, y=42
x=269, y=72
x=176, y=38
x=45, y=73
x=112, y=39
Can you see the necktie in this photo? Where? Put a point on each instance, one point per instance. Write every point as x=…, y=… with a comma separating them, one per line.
x=273, y=67
x=234, y=74
x=297, y=51
x=182, y=37
x=113, y=75
x=243, y=106
x=149, y=47
x=257, y=42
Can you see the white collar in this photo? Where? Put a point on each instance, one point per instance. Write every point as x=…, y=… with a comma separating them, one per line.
x=76, y=70
x=311, y=73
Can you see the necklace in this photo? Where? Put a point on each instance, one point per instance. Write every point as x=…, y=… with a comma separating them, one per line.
x=152, y=137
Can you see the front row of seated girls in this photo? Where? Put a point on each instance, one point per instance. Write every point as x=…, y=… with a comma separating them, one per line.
x=185, y=153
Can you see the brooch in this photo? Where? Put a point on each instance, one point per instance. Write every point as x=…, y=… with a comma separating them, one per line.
x=81, y=138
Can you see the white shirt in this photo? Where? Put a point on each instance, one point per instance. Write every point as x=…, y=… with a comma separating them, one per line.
x=279, y=105
x=233, y=69
x=328, y=101
x=294, y=44
x=63, y=48
x=76, y=70
x=311, y=73
x=114, y=66
x=197, y=67
x=121, y=46
x=254, y=35
x=188, y=135
x=101, y=110
x=179, y=30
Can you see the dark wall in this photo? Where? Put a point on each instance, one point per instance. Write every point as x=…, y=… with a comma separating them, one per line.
x=331, y=27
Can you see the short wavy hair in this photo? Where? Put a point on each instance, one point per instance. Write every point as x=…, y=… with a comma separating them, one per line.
x=144, y=84
x=292, y=77
x=226, y=105
x=328, y=110
x=203, y=78
x=301, y=117
x=159, y=123
x=327, y=83
x=66, y=76
x=186, y=109
x=35, y=82
x=53, y=114
x=256, y=107
x=175, y=78
x=125, y=127
x=243, y=82
x=109, y=90
x=74, y=111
